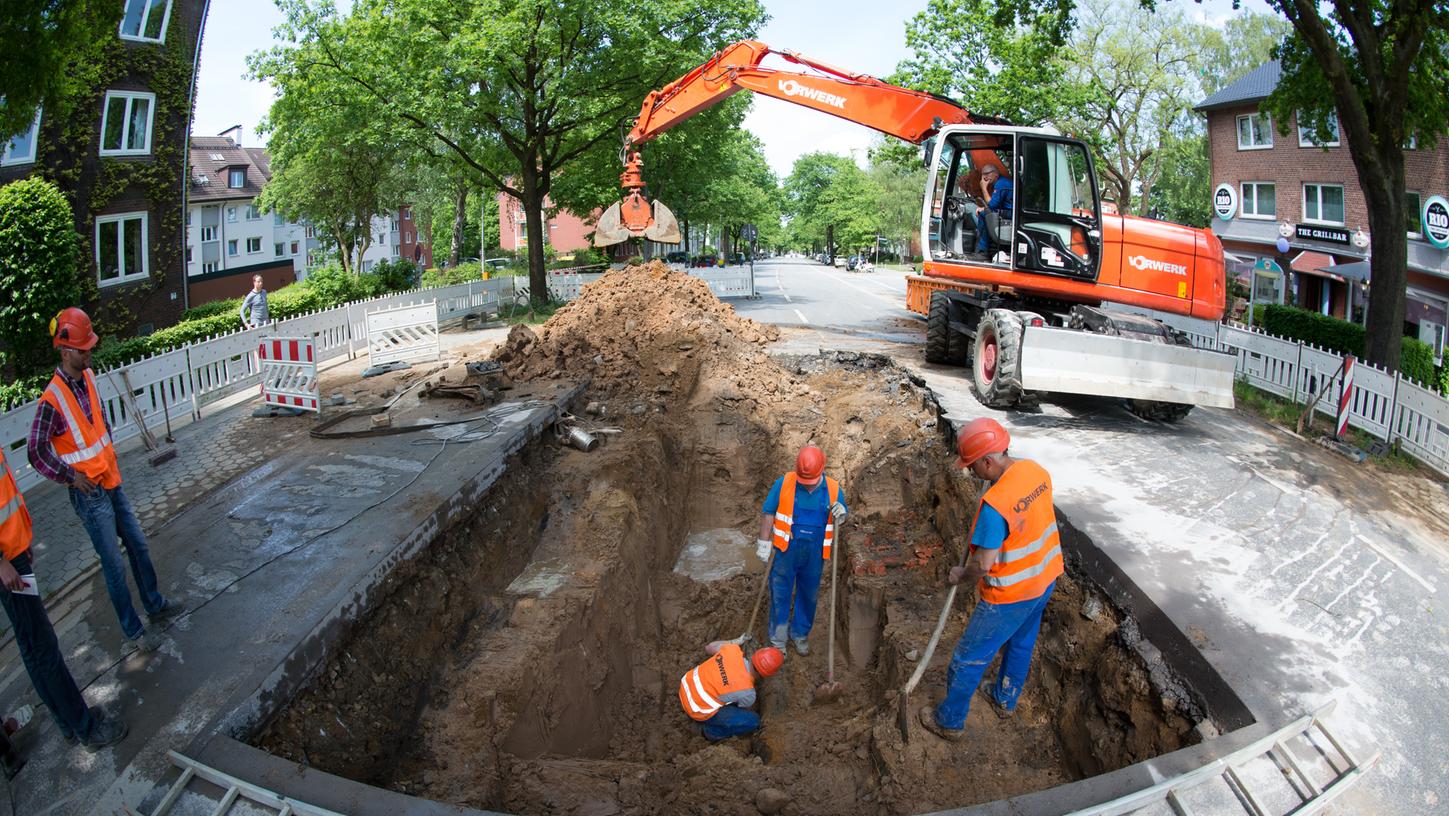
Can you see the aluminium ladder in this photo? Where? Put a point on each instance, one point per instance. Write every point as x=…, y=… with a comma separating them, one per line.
x=233, y=789
x=1312, y=797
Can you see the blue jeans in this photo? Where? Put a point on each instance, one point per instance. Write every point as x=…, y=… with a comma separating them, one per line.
x=982, y=242
x=109, y=520
x=796, y=572
x=1014, y=625
x=730, y=721
x=40, y=652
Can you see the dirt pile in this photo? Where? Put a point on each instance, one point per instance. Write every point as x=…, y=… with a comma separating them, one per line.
x=651, y=332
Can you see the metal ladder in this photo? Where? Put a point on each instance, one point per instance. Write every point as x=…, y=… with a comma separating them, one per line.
x=1312, y=797
x=233, y=790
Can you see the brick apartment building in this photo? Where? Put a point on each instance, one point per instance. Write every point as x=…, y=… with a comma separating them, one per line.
x=120, y=158
x=566, y=231
x=1267, y=186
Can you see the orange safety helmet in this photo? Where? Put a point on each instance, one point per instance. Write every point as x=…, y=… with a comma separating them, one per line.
x=980, y=437
x=767, y=661
x=71, y=328
x=809, y=465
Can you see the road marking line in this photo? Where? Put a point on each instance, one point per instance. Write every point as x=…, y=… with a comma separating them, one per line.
x=844, y=282
x=803, y=318
x=781, y=287
x=1399, y=564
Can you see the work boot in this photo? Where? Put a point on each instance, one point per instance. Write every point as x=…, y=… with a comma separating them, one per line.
x=779, y=644
x=171, y=609
x=928, y=721
x=148, y=642
x=1001, y=712
x=106, y=732
x=802, y=647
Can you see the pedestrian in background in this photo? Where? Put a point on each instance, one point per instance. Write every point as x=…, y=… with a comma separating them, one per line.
x=798, y=522
x=35, y=636
x=1016, y=555
x=70, y=443
x=254, y=306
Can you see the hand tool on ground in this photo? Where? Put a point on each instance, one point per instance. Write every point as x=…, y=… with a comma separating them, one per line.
x=903, y=706
x=759, y=596
x=829, y=691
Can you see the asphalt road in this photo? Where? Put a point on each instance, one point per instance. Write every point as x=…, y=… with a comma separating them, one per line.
x=1302, y=578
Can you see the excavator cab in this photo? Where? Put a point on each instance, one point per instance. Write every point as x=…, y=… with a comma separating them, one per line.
x=1053, y=224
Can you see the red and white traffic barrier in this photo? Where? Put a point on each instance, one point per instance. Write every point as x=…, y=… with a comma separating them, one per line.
x=289, y=372
x=1345, y=396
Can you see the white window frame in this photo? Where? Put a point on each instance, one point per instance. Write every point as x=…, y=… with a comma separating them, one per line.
x=231, y=215
x=1243, y=199
x=254, y=240
x=253, y=214
x=206, y=240
x=8, y=158
x=279, y=250
x=233, y=247
x=1238, y=131
x=130, y=97
x=1320, y=185
x=188, y=256
x=1305, y=139
x=145, y=17
x=207, y=267
x=231, y=175
x=1416, y=235
x=120, y=219
x=294, y=248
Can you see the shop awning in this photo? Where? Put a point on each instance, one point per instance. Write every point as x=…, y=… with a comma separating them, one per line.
x=1357, y=271
x=1309, y=261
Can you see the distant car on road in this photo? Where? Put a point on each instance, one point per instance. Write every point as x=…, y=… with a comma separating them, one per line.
x=677, y=257
x=738, y=259
x=495, y=265
x=840, y=261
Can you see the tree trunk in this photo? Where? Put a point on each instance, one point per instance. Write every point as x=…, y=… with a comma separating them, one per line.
x=533, y=217
x=1384, y=195
x=460, y=223
x=684, y=222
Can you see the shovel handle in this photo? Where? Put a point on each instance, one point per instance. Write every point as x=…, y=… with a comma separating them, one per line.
x=839, y=545
x=760, y=594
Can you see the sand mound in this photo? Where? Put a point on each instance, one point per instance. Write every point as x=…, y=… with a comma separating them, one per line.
x=652, y=333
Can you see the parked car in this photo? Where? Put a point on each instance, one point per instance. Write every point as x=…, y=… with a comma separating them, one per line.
x=738, y=259
x=840, y=261
x=677, y=257
x=851, y=263
x=496, y=265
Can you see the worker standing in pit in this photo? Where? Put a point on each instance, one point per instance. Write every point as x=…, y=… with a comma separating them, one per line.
x=798, y=521
x=1016, y=554
x=719, y=693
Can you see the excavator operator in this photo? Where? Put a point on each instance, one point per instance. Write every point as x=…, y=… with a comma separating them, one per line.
x=996, y=191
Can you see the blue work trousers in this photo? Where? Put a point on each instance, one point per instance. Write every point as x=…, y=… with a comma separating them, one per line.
x=730, y=721
x=110, y=522
x=1014, y=625
x=795, y=575
x=40, y=652
x=983, y=242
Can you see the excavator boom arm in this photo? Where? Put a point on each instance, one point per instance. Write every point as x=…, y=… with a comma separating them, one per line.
x=890, y=109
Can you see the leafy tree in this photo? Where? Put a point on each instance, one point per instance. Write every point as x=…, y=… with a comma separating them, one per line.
x=39, y=255
x=1245, y=42
x=832, y=203
x=1381, y=69
x=901, y=185
x=1184, y=189
x=517, y=90
x=42, y=39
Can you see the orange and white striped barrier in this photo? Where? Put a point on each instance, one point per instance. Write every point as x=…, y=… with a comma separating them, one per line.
x=289, y=372
x=1345, y=397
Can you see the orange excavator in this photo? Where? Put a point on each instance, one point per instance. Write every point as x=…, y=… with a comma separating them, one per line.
x=1037, y=289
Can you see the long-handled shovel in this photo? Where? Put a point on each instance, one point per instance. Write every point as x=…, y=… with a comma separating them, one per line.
x=829, y=691
x=903, y=712
x=759, y=596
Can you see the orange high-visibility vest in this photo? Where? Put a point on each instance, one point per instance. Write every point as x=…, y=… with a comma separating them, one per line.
x=86, y=445
x=14, y=518
x=785, y=514
x=1031, y=557
x=701, y=687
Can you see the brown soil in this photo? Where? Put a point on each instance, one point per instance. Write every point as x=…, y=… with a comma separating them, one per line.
x=528, y=661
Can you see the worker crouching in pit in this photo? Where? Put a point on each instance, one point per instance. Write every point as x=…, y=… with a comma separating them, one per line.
x=798, y=527
x=719, y=693
x=1016, y=555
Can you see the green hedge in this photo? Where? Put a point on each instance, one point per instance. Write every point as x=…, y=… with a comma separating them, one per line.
x=1416, y=360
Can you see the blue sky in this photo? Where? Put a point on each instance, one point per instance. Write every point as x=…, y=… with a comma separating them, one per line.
x=867, y=36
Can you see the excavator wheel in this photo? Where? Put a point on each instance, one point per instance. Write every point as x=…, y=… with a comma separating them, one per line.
x=996, y=359
x=942, y=345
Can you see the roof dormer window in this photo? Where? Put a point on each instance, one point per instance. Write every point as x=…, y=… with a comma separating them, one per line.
x=236, y=178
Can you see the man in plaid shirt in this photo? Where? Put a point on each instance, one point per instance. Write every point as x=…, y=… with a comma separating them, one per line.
x=70, y=443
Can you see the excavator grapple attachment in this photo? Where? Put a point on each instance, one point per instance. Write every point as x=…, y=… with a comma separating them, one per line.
x=635, y=218
x=665, y=229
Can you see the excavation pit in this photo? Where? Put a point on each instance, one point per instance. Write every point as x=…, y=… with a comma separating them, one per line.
x=528, y=660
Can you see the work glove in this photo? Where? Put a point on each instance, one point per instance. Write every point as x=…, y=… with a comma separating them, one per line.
x=837, y=512
x=762, y=549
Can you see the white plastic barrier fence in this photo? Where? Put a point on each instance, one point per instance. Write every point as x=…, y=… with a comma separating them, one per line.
x=406, y=334
x=289, y=372
x=729, y=281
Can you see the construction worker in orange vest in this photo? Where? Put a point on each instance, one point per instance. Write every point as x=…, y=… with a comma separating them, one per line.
x=70, y=443
x=34, y=634
x=719, y=693
x=1016, y=555
x=798, y=523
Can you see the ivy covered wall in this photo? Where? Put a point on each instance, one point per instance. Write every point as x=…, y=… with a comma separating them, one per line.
x=68, y=152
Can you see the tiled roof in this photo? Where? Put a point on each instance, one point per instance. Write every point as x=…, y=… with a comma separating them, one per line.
x=1259, y=82
x=213, y=156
